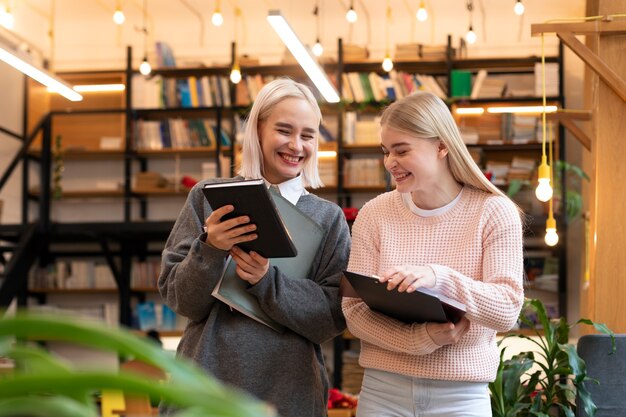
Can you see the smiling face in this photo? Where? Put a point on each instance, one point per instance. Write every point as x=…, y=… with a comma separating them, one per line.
x=415, y=163
x=288, y=138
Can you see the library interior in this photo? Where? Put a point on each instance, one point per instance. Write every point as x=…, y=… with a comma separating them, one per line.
x=111, y=111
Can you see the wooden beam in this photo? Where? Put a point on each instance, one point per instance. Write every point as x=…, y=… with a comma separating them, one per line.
x=605, y=27
x=610, y=77
x=570, y=115
x=577, y=132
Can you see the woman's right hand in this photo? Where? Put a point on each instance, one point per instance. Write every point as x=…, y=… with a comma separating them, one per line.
x=447, y=333
x=228, y=233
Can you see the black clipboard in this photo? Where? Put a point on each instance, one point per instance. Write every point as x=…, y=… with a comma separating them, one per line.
x=420, y=306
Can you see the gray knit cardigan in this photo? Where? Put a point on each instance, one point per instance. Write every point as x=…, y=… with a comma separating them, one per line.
x=285, y=369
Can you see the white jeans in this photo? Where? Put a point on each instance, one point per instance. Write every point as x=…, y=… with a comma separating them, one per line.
x=385, y=394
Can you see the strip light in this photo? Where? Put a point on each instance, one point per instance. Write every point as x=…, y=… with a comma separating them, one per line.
x=14, y=59
x=302, y=55
x=469, y=110
x=326, y=154
x=99, y=88
x=521, y=109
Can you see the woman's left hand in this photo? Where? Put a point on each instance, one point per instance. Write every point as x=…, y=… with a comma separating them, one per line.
x=251, y=266
x=409, y=278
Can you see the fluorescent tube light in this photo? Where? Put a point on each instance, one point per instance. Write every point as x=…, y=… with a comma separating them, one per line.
x=19, y=61
x=469, y=110
x=521, y=109
x=98, y=88
x=326, y=154
x=302, y=55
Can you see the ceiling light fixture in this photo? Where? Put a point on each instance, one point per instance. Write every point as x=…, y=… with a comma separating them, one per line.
x=351, y=15
x=118, y=15
x=422, y=13
x=470, y=36
x=217, y=19
x=302, y=55
x=519, y=8
x=544, y=191
x=317, y=49
x=387, y=62
x=12, y=54
x=145, y=68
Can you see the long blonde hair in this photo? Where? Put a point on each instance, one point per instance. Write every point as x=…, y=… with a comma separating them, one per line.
x=423, y=114
x=270, y=95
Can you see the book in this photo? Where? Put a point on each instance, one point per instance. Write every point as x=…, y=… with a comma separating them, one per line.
x=307, y=236
x=251, y=198
x=422, y=305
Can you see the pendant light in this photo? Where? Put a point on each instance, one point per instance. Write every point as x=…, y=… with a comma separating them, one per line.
x=118, y=16
x=387, y=62
x=422, y=13
x=470, y=36
x=217, y=19
x=544, y=187
x=235, y=71
x=519, y=7
x=351, y=15
x=145, y=68
x=317, y=49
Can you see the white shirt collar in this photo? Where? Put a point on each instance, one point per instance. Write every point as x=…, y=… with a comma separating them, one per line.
x=291, y=189
x=408, y=202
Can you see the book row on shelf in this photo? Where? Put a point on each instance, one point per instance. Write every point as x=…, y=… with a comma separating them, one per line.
x=161, y=92
x=75, y=274
x=146, y=315
x=178, y=133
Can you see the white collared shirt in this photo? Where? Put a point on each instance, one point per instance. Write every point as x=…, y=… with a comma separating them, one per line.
x=291, y=189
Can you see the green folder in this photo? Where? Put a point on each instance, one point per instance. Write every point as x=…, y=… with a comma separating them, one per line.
x=307, y=237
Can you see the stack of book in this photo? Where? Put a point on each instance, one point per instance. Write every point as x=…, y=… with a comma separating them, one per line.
x=355, y=53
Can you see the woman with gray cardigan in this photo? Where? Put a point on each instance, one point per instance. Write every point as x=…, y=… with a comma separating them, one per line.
x=285, y=369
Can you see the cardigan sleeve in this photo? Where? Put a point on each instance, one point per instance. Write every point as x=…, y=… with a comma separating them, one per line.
x=311, y=307
x=190, y=268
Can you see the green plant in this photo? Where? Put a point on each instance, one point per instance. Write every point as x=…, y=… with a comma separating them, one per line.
x=43, y=386
x=573, y=177
x=544, y=382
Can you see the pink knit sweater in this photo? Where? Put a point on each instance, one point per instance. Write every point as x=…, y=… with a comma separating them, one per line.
x=475, y=249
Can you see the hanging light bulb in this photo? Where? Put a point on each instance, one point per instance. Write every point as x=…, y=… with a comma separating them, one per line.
x=544, y=189
x=552, y=237
x=387, y=63
x=318, y=49
x=217, y=19
x=519, y=8
x=235, y=74
x=6, y=17
x=118, y=17
x=144, y=67
x=422, y=13
x=351, y=15
x=470, y=36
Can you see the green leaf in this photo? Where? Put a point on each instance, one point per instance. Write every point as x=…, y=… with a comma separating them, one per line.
x=188, y=385
x=41, y=406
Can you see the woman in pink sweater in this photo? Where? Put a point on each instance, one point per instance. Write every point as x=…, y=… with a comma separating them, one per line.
x=444, y=227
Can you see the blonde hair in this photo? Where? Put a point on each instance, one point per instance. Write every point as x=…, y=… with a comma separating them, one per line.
x=423, y=114
x=270, y=95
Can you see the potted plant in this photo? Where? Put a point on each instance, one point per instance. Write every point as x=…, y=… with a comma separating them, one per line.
x=546, y=381
x=41, y=385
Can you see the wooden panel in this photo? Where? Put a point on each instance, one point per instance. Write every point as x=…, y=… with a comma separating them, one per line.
x=604, y=298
